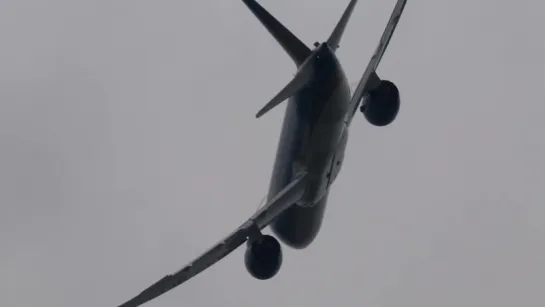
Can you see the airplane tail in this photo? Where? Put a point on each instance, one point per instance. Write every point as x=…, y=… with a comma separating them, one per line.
x=296, y=49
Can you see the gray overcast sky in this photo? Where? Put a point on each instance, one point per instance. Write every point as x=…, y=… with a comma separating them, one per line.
x=129, y=146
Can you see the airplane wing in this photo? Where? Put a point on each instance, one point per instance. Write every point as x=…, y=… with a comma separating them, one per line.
x=370, y=78
x=261, y=219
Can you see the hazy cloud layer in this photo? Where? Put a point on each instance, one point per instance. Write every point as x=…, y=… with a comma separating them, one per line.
x=129, y=146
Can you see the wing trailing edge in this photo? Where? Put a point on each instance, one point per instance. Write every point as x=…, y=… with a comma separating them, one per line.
x=286, y=198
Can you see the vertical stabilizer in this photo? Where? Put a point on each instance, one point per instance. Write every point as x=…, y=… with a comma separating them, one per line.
x=291, y=44
x=335, y=37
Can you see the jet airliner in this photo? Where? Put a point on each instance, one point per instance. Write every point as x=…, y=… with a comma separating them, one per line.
x=320, y=108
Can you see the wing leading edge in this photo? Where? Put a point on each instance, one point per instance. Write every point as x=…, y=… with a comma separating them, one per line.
x=370, y=78
x=261, y=219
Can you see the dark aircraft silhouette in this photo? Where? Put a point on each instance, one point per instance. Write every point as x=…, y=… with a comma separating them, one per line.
x=310, y=150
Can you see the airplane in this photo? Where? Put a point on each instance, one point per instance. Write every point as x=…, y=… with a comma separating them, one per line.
x=310, y=151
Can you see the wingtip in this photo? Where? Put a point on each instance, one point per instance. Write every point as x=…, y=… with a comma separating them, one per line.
x=264, y=110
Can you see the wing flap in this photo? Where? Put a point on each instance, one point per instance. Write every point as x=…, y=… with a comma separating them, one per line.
x=261, y=219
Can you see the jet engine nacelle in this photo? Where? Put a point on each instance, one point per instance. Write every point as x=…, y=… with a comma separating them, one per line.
x=381, y=105
x=263, y=257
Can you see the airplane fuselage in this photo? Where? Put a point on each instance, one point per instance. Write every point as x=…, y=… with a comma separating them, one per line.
x=313, y=138
x=310, y=149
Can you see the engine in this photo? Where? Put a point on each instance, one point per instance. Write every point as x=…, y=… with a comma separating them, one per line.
x=380, y=108
x=263, y=258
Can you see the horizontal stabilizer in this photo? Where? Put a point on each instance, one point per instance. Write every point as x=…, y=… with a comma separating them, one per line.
x=300, y=80
x=335, y=37
x=296, y=49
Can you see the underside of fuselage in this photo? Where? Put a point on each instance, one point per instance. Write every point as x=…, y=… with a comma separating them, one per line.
x=312, y=129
